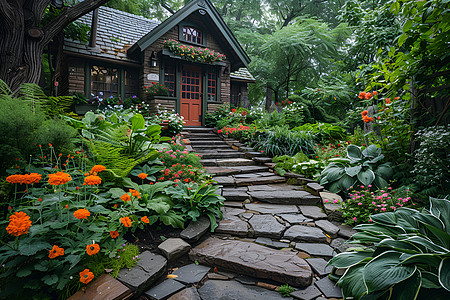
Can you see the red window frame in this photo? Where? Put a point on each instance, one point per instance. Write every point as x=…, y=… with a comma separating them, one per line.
x=212, y=86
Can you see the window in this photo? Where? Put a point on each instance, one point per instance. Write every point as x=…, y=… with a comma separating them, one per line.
x=169, y=79
x=212, y=86
x=131, y=84
x=190, y=34
x=104, y=82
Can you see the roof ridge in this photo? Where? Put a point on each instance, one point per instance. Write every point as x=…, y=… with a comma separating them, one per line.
x=129, y=14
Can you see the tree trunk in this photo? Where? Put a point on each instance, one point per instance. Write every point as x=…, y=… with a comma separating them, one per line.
x=268, y=97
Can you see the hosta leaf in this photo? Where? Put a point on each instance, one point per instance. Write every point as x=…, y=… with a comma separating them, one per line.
x=407, y=289
x=116, y=192
x=346, y=182
x=352, y=283
x=366, y=176
x=364, y=237
x=377, y=229
x=422, y=258
x=384, y=271
x=353, y=171
x=50, y=279
x=334, y=174
x=385, y=171
x=426, y=244
x=354, y=152
x=444, y=273
x=380, y=182
x=440, y=208
x=387, y=218
x=430, y=280
x=399, y=246
x=348, y=259
x=372, y=151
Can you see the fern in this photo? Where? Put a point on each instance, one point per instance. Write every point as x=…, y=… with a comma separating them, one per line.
x=4, y=89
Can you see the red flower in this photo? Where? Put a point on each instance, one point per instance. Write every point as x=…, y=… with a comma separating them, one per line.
x=362, y=95
x=233, y=110
x=114, y=234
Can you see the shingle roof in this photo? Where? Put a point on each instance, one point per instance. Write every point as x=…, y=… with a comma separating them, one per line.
x=116, y=32
x=242, y=75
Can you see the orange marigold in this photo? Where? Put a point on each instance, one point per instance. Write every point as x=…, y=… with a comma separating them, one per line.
x=368, y=96
x=388, y=101
x=92, y=249
x=55, y=252
x=81, y=213
x=114, y=234
x=125, y=197
x=92, y=180
x=142, y=176
x=134, y=193
x=98, y=169
x=59, y=178
x=126, y=221
x=86, y=276
x=362, y=95
x=364, y=112
x=375, y=93
x=26, y=178
x=19, y=223
x=145, y=219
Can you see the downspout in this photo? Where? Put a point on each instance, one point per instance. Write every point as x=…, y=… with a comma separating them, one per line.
x=94, y=25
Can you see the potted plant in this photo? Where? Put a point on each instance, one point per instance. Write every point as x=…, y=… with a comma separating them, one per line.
x=82, y=104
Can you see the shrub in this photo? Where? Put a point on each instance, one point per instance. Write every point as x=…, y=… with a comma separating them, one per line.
x=171, y=157
x=57, y=133
x=222, y=112
x=281, y=141
x=175, y=122
x=324, y=132
x=407, y=255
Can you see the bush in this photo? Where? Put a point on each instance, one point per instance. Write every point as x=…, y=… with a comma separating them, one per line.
x=222, y=112
x=281, y=141
x=57, y=133
x=407, y=255
x=324, y=133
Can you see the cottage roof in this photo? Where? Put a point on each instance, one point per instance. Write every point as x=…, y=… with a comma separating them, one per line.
x=242, y=75
x=117, y=31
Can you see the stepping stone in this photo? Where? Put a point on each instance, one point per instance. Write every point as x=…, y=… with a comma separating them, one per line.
x=235, y=194
x=217, y=276
x=270, y=164
x=295, y=218
x=260, y=180
x=333, y=212
x=315, y=188
x=231, y=211
x=233, y=226
x=265, y=174
x=248, y=280
x=271, y=208
x=234, y=204
x=316, y=249
x=270, y=243
x=221, y=155
x=340, y=245
x=219, y=171
x=328, y=227
x=301, y=233
x=284, y=196
x=346, y=231
x=266, y=226
x=263, y=187
x=329, y=288
x=174, y=248
x=104, y=287
x=246, y=149
x=232, y=162
x=293, y=175
x=255, y=260
x=250, y=169
x=311, y=292
x=319, y=266
x=227, y=290
x=313, y=212
x=247, y=175
x=262, y=160
x=164, y=289
x=247, y=215
x=149, y=268
x=208, y=162
x=254, y=154
x=196, y=229
x=328, y=197
x=224, y=180
x=207, y=142
x=191, y=274
x=186, y=294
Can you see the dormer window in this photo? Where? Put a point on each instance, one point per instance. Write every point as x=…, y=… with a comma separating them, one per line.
x=193, y=35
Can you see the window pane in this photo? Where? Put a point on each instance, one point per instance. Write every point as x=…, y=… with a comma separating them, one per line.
x=212, y=90
x=191, y=34
x=104, y=82
x=169, y=79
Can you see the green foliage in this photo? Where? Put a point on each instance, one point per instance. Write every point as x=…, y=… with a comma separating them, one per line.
x=222, y=112
x=58, y=133
x=286, y=162
x=171, y=157
x=156, y=89
x=280, y=141
x=406, y=258
x=175, y=122
x=285, y=290
x=324, y=132
x=360, y=168
x=313, y=109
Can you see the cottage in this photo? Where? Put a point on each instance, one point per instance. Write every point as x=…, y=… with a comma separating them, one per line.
x=193, y=53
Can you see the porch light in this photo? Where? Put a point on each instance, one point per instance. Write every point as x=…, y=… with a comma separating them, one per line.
x=153, y=59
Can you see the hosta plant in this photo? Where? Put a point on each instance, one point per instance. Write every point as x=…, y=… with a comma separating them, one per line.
x=362, y=167
x=407, y=256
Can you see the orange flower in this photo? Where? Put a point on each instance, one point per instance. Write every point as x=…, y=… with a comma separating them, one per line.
x=92, y=180
x=125, y=197
x=55, y=252
x=86, y=276
x=19, y=223
x=368, y=96
x=145, y=219
x=59, y=178
x=98, y=169
x=375, y=93
x=92, y=249
x=114, y=234
x=364, y=112
x=396, y=98
x=362, y=95
x=367, y=119
x=142, y=176
x=388, y=101
x=26, y=178
x=126, y=221
x=81, y=213
x=134, y=193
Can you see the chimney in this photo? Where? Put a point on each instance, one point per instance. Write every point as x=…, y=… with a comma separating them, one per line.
x=94, y=25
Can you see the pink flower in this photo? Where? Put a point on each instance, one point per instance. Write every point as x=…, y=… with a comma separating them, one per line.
x=335, y=201
x=383, y=209
x=354, y=219
x=374, y=203
x=362, y=186
x=370, y=185
x=379, y=197
x=359, y=203
x=326, y=200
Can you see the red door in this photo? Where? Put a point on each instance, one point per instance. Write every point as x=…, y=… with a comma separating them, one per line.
x=191, y=96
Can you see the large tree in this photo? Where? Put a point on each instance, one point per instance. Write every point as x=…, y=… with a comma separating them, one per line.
x=23, y=38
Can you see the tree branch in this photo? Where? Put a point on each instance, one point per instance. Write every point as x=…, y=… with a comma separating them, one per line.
x=167, y=7
x=67, y=16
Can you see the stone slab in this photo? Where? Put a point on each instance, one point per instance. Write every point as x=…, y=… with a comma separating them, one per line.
x=148, y=269
x=328, y=227
x=261, y=187
x=295, y=218
x=191, y=274
x=233, y=226
x=234, y=162
x=311, y=292
x=255, y=260
x=231, y=211
x=316, y=249
x=208, y=162
x=104, y=287
x=284, y=196
x=195, y=230
x=266, y=226
x=252, y=154
x=333, y=212
x=346, y=231
x=186, y=294
x=247, y=280
x=224, y=180
x=319, y=266
x=173, y=248
x=234, y=204
x=250, y=169
x=315, y=188
x=271, y=208
x=164, y=289
x=220, y=171
x=217, y=276
x=231, y=290
x=262, y=160
x=259, y=180
x=329, y=288
x=271, y=243
x=313, y=212
x=301, y=233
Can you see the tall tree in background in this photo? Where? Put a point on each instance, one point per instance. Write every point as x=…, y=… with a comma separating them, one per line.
x=23, y=38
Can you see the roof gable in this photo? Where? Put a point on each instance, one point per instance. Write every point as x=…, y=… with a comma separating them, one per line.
x=205, y=7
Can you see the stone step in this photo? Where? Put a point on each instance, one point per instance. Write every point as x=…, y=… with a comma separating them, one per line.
x=250, y=169
x=221, y=171
x=253, y=154
x=262, y=160
x=207, y=142
x=233, y=162
x=225, y=180
x=259, y=180
x=285, y=197
x=235, y=194
x=212, y=147
x=254, y=260
x=214, y=137
x=215, y=154
x=209, y=162
x=197, y=129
